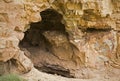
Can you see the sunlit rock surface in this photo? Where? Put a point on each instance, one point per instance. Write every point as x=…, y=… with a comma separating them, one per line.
x=80, y=39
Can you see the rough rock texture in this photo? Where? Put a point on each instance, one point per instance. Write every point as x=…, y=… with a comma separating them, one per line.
x=81, y=38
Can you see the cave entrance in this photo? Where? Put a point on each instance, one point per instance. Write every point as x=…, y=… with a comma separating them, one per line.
x=37, y=47
x=51, y=21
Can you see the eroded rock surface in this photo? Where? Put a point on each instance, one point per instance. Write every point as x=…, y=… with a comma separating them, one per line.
x=77, y=37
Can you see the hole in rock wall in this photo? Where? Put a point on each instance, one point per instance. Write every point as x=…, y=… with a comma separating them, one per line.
x=36, y=43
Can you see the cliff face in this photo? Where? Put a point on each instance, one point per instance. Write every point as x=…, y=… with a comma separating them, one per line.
x=72, y=38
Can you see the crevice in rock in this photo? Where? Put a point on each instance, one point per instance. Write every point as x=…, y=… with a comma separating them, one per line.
x=90, y=30
x=55, y=69
x=46, y=43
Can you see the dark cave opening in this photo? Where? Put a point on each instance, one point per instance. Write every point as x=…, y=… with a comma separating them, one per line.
x=37, y=44
x=51, y=21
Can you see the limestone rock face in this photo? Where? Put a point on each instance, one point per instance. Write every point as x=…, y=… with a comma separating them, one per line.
x=84, y=34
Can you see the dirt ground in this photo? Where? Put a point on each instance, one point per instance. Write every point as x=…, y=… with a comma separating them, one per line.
x=35, y=75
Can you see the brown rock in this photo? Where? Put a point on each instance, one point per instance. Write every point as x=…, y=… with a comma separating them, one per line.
x=91, y=36
x=60, y=45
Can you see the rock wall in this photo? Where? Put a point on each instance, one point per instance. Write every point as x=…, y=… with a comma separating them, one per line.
x=92, y=26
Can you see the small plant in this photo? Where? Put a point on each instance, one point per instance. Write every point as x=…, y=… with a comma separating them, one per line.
x=11, y=77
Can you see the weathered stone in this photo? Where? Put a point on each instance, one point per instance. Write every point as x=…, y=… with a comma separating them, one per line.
x=101, y=46
x=60, y=45
x=3, y=17
x=23, y=63
x=2, y=43
x=7, y=53
x=92, y=38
